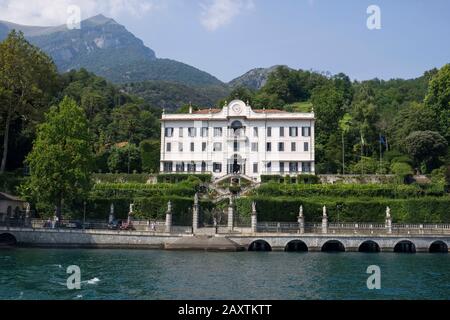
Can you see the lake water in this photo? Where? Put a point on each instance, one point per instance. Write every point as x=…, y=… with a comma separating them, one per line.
x=148, y=275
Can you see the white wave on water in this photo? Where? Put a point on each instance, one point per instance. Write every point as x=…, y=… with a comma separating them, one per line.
x=80, y=296
x=56, y=265
x=92, y=281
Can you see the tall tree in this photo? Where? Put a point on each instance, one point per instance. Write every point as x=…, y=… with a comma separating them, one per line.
x=438, y=99
x=61, y=159
x=27, y=80
x=426, y=147
x=344, y=125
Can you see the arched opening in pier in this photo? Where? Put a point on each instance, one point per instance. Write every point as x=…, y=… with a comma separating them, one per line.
x=259, y=245
x=405, y=246
x=333, y=246
x=438, y=247
x=296, y=246
x=7, y=239
x=369, y=246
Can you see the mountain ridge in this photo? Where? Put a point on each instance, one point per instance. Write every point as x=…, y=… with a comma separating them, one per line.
x=108, y=49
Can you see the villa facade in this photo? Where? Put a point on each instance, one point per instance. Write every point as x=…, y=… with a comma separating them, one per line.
x=238, y=140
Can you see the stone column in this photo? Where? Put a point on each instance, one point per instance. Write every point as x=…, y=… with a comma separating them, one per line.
x=27, y=215
x=231, y=215
x=388, y=223
x=130, y=214
x=195, y=213
x=169, y=218
x=254, y=218
x=324, y=221
x=301, y=221
x=111, y=213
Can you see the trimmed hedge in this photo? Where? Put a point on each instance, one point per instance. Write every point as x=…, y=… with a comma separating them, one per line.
x=285, y=209
x=392, y=191
x=144, y=208
x=176, y=178
x=121, y=178
x=130, y=190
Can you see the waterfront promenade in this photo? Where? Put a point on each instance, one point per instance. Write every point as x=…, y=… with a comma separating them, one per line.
x=266, y=237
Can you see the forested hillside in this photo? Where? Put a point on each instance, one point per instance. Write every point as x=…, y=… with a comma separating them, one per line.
x=377, y=126
x=396, y=126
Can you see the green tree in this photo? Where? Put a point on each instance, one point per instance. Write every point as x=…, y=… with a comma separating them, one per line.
x=125, y=159
x=27, y=80
x=402, y=170
x=61, y=159
x=438, y=99
x=133, y=124
x=414, y=117
x=345, y=126
x=150, y=155
x=426, y=147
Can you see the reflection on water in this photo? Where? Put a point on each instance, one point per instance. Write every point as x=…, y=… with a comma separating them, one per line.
x=128, y=274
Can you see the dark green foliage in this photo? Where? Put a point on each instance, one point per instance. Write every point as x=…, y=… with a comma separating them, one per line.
x=150, y=155
x=125, y=159
x=350, y=210
x=175, y=178
x=121, y=178
x=438, y=100
x=393, y=191
x=425, y=147
x=173, y=96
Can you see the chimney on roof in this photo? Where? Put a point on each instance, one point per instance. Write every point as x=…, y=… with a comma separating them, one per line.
x=190, y=108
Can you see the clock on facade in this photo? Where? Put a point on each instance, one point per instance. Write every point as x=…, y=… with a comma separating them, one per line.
x=237, y=109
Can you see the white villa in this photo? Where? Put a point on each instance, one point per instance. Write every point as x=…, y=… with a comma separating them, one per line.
x=237, y=140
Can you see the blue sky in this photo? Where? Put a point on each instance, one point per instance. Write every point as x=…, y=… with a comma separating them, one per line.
x=229, y=37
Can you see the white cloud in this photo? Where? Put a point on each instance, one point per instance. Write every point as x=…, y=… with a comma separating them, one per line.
x=54, y=12
x=218, y=13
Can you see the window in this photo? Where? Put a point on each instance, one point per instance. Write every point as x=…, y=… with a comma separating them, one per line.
x=269, y=147
x=181, y=132
x=306, y=166
x=306, y=131
x=281, y=167
x=255, y=168
x=180, y=147
x=281, y=131
x=293, y=132
x=293, y=147
x=168, y=166
x=169, y=132
x=204, y=132
x=203, y=166
x=236, y=146
x=306, y=146
x=293, y=166
x=180, y=167
x=255, y=147
x=217, y=167
x=191, y=167
x=217, y=147
x=269, y=131
x=281, y=146
x=204, y=146
x=255, y=132
x=192, y=147
x=192, y=132
x=269, y=166
x=169, y=147
x=217, y=132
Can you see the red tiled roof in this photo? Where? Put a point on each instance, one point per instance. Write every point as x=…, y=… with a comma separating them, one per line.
x=206, y=111
x=269, y=111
